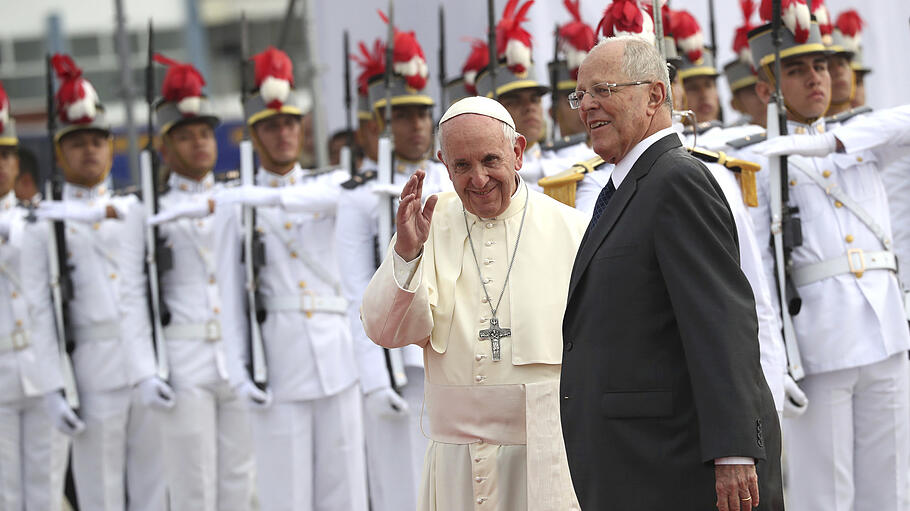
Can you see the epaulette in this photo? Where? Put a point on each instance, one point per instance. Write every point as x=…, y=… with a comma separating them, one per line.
x=849, y=114
x=702, y=127
x=359, y=179
x=564, y=142
x=562, y=186
x=748, y=140
x=745, y=171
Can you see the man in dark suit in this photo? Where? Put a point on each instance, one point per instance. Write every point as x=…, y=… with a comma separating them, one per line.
x=663, y=399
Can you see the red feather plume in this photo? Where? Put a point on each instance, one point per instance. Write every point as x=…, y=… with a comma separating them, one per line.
x=741, y=37
x=371, y=64
x=4, y=106
x=477, y=60
x=73, y=87
x=275, y=63
x=576, y=32
x=799, y=26
x=622, y=16
x=509, y=29
x=181, y=81
x=849, y=23
x=404, y=50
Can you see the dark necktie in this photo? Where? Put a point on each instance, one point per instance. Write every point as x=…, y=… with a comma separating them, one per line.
x=602, y=200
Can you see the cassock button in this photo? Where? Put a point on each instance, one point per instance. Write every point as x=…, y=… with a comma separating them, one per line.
x=478, y=357
x=480, y=500
x=478, y=479
x=478, y=378
x=484, y=300
x=489, y=225
x=487, y=280
x=489, y=243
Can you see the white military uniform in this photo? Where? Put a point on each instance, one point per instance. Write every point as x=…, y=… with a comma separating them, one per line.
x=309, y=441
x=118, y=457
x=32, y=452
x=207, y=435
x=395, y=445
x=852, y=336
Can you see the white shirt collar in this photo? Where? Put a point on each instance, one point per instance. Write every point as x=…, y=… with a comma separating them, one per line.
x=184, y=184
x=624, y=166
x=273, y=180
x=798, y=128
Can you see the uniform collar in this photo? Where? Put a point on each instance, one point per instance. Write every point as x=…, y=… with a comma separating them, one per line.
x=798, y=128
x=8, y=201
x=184, y=184
x=516, y=204
x=81, y=193
x=408, y=167
x=267, y=178
x=533, y=151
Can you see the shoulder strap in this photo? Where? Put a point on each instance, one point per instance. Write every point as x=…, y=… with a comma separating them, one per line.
x=359, y=179
x=746, y=141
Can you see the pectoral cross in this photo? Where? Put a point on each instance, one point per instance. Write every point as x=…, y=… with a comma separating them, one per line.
x=494, y=334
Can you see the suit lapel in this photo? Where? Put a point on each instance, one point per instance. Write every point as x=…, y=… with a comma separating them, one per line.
x=594, y=238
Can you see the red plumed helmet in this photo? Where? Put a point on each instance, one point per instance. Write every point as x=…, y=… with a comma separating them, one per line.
x=512, y=41
x=4, y=109
x=795, y=14
x=76, y=99
x=576, y=37
x=688, y=35
x=477, y=60
x=182, y=85
x=850, y=25
x=666, y=16
x=822, y=16
x=407, y=58
x=625, y=17
x=274, y=76
x=741, y=37
x=371, y=64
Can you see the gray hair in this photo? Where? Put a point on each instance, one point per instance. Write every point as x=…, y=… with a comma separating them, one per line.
x=507, y=131
x=641, y=61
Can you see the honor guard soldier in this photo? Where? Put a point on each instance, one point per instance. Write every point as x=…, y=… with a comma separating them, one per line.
x=207, y=433
x=117, y=461
x=850, y=331
x=307, y=422
x=741, y=75
x=849, y=27
x=395, y=446
x=33, y=453
x=517, y=88
x=699, y=77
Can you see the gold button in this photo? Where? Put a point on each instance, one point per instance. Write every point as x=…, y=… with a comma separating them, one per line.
x=19, y=325
x=15, y=295
x=274, y=183
x=800, y=130
x=288, y=225
x=838, y=204
x=301, y=284
x=826, y=173
x=96, y=226
x=859, y=159
x=113, y=276
x=792, y=182
x=216, y=310
x=849, y=238
x=211, y=279
x=294, y=255
x=292, y=180
x=820, y=129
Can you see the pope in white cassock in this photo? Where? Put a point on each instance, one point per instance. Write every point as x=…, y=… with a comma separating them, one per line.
x=479, y=278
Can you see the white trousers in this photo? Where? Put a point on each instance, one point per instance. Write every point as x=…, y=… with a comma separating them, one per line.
x=118, y=463
x=32, y=458
x=208, y=450
x=395, y=451
x=309, y=454
x=850, y=450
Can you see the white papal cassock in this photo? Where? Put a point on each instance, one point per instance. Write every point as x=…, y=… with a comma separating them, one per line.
x=496, y=441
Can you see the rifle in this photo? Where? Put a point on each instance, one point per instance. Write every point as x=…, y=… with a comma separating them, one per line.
x=253, y=247
x=61, y=282
x=442, y=59
x=491, y=45
x=393, y=359
x=554, y=84
x=347, y=152
x=158, y=257
x=711, y=21
x=786, y=230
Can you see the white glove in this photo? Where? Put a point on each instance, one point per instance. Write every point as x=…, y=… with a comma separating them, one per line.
x=156, y=393
x=385, y=402
x=185, y=210
x=256, y=397
x=61, y=210
x=795, y=401
x=64, y=418
x=388, y=189
x=248, y=195
x=802, y=145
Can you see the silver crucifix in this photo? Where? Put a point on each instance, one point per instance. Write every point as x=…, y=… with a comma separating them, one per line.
x=494, y=334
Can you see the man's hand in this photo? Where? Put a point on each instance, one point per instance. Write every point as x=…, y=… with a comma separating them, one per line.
x=736, y=486
x=795, y=400
x=412, y=223
x=75, y=211
x=802, y=145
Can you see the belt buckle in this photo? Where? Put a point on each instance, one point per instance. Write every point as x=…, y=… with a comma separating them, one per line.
x=20, y=339
x=856, y=254
x=212, y=330
x=308, y=310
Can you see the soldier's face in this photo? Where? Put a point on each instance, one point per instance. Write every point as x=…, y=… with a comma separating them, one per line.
x=746, y=100
x=806, y=84
x=9, y=169
x=568, y=119
x=525, y=108
x=841, y=78
x=412, y=130
x=281, y=137
x=483, y=165
x=192, y=151
x=87, y=155
x=701, y=96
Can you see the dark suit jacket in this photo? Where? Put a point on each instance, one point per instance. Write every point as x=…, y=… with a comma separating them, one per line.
x=661, y=371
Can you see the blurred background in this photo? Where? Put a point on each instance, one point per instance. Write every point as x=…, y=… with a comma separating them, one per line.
x=109, y=41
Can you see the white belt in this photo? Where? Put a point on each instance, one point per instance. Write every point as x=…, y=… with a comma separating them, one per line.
x=209, y=331
x=18, y=340
x=855, y=261
x=97, y=331
x=307, y=303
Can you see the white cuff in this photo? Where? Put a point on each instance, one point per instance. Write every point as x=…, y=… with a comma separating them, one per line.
x=405, y=271
x=734, y=460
